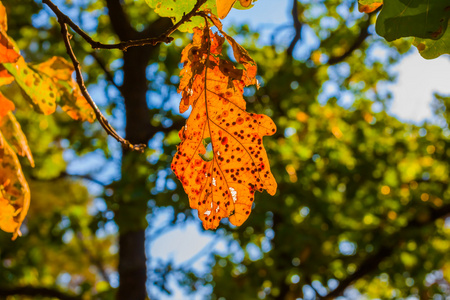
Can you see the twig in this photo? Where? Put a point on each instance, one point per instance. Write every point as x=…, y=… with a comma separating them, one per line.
x=37, y=291
x=64, y=175
x=297, y=27
x=64, y=20
x=103, y=121
x=363, y=34
x=164, y=38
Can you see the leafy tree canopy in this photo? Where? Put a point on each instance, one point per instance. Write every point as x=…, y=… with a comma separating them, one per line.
x=356, y=202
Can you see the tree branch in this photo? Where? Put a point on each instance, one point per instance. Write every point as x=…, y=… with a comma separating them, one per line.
x=37, y=291
x=363, y=34
x=371, y=262
x=64, y=175
x=164, y=38
x=64, y=20
x=103, y=121
x=297, y=27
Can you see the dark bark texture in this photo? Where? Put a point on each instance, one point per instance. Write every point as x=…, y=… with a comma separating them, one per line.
x=132, y=258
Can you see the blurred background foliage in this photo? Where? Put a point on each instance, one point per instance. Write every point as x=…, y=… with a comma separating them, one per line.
x=362, y=200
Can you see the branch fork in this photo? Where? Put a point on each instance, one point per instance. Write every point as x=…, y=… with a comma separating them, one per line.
x=65, y=21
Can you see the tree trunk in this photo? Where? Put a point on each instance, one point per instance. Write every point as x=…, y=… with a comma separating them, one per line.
x=131, y=190
x=132, y=259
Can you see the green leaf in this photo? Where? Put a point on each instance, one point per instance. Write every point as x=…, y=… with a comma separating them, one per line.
x=418, y=18
x=40, y=92
x=59, y=71
x=430, y=49
x=176, y=9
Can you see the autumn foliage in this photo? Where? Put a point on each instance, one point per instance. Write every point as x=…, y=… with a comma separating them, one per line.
x=220, y=187
x=44, y=86
x=357, y=201
x=221, y=160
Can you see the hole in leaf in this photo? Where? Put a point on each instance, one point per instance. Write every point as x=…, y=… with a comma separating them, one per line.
x=208, y=156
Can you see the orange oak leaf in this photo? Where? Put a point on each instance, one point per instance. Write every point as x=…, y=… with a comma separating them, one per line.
x=59, y=71
x=240, y=54
x=13, y=133
x=5, y=106
x=223, y=185
x=14, y=191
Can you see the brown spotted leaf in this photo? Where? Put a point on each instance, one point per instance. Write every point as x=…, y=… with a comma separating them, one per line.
x=14, y=190
x=14, y=135
x=40, y=92
x=221, y=184
x=240, y=54
x=59, y=71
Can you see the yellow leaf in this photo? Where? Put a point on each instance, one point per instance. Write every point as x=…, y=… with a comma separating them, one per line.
x=5, y=77
x=38, y=91
x=3, y=19
x=59, y=71
x=224, y=7
x=14, y=190
x=14, y=135
x=7, y=214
